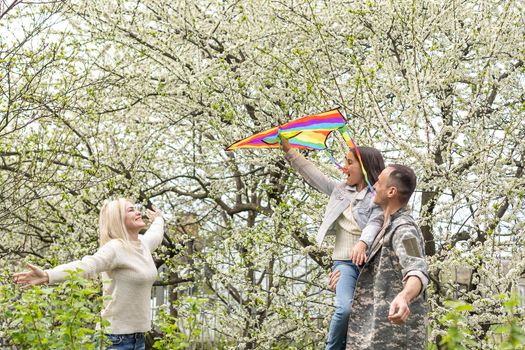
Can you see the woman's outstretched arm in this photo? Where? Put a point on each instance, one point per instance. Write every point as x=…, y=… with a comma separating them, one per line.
x=34, y=276
x=154, y=235
x=104, y=259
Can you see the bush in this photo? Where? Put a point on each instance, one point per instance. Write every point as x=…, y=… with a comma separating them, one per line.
x=504, y=333
x=45, y=317
x=180, y=332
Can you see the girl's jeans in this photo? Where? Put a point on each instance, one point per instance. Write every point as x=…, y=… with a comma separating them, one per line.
x=344, y=292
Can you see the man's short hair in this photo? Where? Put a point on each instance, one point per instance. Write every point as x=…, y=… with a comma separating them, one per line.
x=404, y=179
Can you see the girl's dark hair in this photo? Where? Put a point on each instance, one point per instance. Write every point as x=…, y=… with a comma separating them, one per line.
x=372, y=161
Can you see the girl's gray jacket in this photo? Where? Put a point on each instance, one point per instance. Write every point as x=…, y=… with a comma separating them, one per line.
x=368, y=215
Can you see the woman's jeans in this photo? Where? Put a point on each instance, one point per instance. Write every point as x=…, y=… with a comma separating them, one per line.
x=344, y=292
x=134, y=341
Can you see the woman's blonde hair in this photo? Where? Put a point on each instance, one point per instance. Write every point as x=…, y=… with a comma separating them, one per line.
x=111, y=221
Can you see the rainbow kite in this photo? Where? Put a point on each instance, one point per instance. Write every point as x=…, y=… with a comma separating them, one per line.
x=310, y=132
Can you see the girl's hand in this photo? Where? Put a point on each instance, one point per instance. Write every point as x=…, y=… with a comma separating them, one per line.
x=358, y=253
x=285, y=144
x=153, y=214
x=34, y=276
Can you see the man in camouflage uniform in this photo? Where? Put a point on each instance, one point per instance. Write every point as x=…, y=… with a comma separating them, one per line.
x=394, y=276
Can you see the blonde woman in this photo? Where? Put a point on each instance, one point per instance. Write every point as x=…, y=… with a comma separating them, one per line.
x=127, y=267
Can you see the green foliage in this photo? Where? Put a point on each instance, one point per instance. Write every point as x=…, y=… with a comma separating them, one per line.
x=44, y=317
x=509, y=333
x=179, y=332
x=512, y=330
x=458, y=334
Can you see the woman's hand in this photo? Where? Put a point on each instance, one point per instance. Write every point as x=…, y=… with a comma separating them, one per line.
x=358, y=253
x=34, y=276
x=285, y=144
x=153, y=213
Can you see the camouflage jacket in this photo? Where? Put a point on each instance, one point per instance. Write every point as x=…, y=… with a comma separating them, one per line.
x=397, y=252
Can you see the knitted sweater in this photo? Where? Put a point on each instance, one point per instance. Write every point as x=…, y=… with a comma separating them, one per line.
x=128, y=275
x=347, y=234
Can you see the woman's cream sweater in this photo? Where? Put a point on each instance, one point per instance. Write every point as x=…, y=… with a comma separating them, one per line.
x=127, y=274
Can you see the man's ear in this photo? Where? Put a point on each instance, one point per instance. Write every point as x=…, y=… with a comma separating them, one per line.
x=392, y=192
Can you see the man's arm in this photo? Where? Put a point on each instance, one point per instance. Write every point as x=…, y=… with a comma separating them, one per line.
x=408, y=245
x=399, y=310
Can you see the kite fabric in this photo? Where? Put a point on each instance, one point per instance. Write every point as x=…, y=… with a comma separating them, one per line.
x=310, y=132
